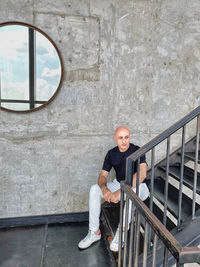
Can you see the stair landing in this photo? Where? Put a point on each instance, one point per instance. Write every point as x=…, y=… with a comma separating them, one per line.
x=50, y=246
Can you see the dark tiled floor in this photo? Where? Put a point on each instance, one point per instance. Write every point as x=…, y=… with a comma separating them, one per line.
x=50, y=246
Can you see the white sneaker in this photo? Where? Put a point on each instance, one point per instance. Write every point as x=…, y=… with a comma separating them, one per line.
x=114, y=245
x=90, y=238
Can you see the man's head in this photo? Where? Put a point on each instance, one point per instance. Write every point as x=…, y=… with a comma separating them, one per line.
x=122, y=138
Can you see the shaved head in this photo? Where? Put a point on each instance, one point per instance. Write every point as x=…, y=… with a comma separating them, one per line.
x=122, y=138
x=121, y=128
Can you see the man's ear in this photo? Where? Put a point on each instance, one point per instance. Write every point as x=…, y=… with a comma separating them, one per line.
x=115, y=138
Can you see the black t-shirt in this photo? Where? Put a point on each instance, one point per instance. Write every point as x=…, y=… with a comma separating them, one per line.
x=116, y=159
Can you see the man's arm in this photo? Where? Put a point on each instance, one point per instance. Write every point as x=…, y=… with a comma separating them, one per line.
x=102, y=182
x=107, y=194
x=142, y=176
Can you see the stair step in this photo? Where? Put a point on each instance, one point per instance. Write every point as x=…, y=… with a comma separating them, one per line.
x=191, y=156
x=159, y=214
x=172, y=202
x=188, y=175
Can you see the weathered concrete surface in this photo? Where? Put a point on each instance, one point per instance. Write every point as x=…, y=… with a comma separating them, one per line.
x=126, y=62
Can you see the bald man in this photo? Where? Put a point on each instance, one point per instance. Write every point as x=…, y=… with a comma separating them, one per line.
x=110, y=191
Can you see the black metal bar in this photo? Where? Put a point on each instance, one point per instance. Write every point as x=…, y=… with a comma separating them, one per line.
x=126, y=230
x=145, y=248
x=152, y=177
x=120, y=228
x=131, y=235
x=138, y=177
x=137, y=238
x=195, y=168
x=32, y=67
x=166, y=182
x=158, y=139
x=165, y=260
x=154, y=250
x=21, y=101
x=181, y=179
x=129, y=172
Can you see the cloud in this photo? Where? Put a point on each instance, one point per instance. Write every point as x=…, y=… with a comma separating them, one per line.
x=50, y=72
x=13, y=44
x=44, y=90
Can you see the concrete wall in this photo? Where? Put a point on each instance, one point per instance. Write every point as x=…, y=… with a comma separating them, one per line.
x=130, y=62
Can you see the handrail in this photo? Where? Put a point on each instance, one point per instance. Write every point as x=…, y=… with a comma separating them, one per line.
x=161, y=137
x=162, y=232
x=179, y=253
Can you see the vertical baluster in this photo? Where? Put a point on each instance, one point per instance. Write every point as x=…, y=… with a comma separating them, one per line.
x=181, y=178
x=129, y=171
x=166, y=182
x=152, y=186
x=131, y=235
x=195, y=168
x=125, y=230
x=152, y=177
x=137, y=239
x=154, y=250
x=165, y=261
x=145, y=248
x=120, y=228
x=138, y=177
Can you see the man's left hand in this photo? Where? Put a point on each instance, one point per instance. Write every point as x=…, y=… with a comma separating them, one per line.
x=115, y=197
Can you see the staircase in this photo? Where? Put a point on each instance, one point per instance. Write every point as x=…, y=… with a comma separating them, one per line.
x=174, y=184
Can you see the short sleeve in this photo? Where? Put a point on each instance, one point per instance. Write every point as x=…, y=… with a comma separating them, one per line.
x=107, y=165
x=143, y=159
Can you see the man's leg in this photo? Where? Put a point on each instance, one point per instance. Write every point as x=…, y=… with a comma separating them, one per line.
x=143, y=194
x=95, y=196
x=94, y=233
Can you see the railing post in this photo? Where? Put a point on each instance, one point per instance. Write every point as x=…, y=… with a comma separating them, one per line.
x=129, y=171
x=154, y=250
x=195, y=168
x=181, y=179
x=120, y=228
x=165, y=261
x=125, y=229
x=137, y=238
x=131, y=234
x=166, y=182
x=152, y=177
x=145, y=248
x=138, y=176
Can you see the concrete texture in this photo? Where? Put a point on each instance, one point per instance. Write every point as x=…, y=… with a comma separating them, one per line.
x=130, y=62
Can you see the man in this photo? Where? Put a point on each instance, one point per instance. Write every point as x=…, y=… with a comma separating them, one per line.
x=110, y=191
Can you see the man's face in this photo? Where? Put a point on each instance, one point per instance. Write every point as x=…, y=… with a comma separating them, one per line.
x=122, y=138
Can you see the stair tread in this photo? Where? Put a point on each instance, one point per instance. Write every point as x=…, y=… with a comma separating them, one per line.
x=188, y=175
x=172, y=202
x=191, y=156
x=159, y=214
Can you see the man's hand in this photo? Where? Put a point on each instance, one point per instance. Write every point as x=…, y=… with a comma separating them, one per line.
x=106, y=193
x=115, y=197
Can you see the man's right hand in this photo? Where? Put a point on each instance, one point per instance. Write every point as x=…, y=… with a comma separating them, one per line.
x=106, y=193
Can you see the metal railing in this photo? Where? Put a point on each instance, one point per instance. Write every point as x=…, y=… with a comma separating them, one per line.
x=153, y=230
x=135, y=158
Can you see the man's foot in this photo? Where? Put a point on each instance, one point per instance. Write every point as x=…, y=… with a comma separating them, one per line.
x=90, y=238
x=114, y=245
